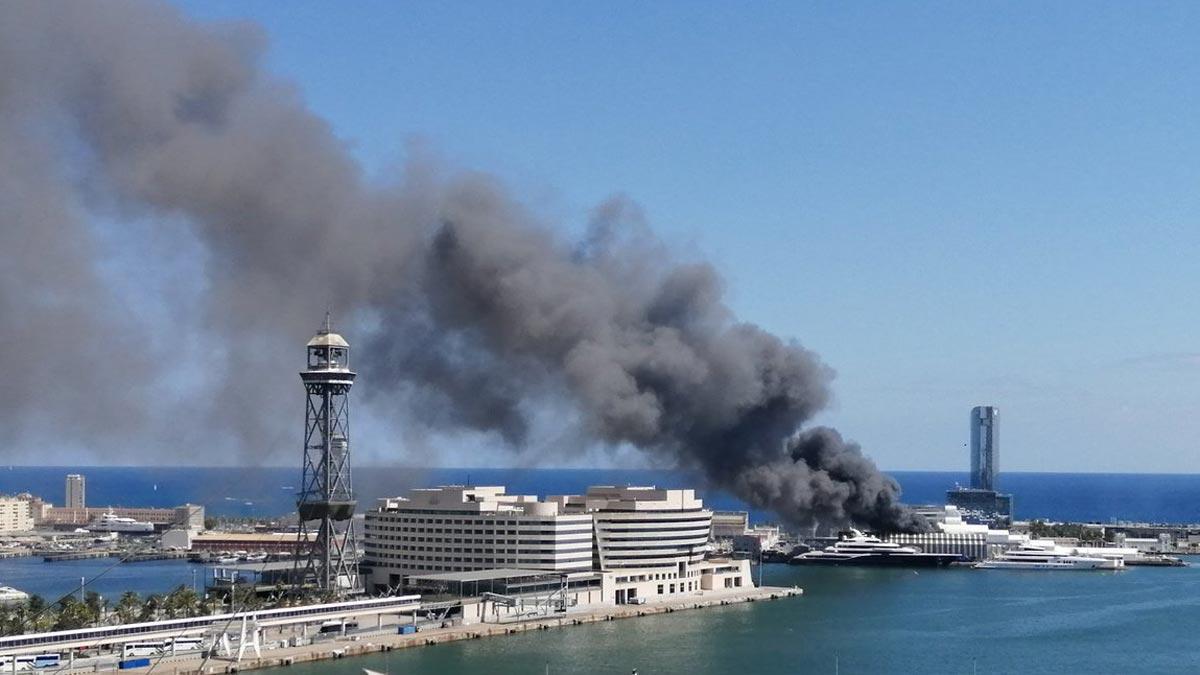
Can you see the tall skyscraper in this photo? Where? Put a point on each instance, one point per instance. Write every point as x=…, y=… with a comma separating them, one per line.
x=984, y=446
x=76, y=492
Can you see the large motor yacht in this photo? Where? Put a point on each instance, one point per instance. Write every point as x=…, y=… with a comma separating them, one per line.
x=864, y=549
x=12, y=596
x=110, y=522
x=1033, y=558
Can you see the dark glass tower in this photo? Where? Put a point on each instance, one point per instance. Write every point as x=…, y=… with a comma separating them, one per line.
x=984, y=446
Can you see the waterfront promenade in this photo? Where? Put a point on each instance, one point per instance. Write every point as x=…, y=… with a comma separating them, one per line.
x=369, y=643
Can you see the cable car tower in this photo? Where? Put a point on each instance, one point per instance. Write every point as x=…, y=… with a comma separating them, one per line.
x=326, y=500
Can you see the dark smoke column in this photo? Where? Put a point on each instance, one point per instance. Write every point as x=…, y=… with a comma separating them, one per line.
x=477, y=314
x=327, y=498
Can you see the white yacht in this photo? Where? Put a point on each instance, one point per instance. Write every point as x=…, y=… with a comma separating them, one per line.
x=1033, y=558
x=866, y=550
x=12, y=596
x=110, y=522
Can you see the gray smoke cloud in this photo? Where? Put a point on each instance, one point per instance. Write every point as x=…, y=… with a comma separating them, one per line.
x=128, y=132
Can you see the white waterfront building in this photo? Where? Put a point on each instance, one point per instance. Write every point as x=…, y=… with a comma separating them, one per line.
x=644, y=542
x=457, y=529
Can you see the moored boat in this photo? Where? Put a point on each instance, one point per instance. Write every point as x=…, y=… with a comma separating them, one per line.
x=860, y=549
x=1034, y=558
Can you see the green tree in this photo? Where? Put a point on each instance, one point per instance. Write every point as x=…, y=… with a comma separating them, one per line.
x=152, y=607
x=129, y=607
x=37, y=615
x=96, y=605
x=181, y=602
x=73, y=614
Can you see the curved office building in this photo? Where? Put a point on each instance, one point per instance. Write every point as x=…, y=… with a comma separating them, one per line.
x=648, y=528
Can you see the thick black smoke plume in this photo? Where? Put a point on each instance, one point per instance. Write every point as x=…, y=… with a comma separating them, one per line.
x=132, y=139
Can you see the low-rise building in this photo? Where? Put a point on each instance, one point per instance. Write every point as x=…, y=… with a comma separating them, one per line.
x=729, y=524
x=188, y=516
x=15, y=515
x=953, y=534
x=216, y=542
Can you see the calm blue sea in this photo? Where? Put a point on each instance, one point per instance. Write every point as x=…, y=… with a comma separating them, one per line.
x=269, y=491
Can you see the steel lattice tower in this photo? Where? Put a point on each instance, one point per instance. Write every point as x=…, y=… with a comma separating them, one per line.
x=326, y=500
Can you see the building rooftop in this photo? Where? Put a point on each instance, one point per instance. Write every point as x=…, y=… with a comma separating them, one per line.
x=248, y=536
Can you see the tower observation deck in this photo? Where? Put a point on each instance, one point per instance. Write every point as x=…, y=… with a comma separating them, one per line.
x=325, y=502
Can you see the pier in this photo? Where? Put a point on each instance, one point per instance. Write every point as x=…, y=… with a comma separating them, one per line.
x=365, y=644
x=75, y=555
x=285, y=636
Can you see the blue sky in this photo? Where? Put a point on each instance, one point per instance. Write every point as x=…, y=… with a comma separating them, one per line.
x=953, y=204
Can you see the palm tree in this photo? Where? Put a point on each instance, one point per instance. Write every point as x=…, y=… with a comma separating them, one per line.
x=95, y=605
x=36, y=616
x=129, y=607
x=72, y=614
x=152, y=607
x=182, y=602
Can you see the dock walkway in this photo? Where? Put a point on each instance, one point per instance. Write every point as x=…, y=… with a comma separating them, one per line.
x=380, y=642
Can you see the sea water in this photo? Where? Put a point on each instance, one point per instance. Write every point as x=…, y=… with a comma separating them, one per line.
x=868, y=621
x=271, y=491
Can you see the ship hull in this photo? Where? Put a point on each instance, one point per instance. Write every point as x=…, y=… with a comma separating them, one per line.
x=879, y=560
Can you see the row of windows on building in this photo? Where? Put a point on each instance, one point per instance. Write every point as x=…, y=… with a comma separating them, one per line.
x=541, y=522
x=414, y=558
x=690, y=586
x=509, y=551
x=472, y=540
x=658, y=576
x=606, y=522
x=373, y=527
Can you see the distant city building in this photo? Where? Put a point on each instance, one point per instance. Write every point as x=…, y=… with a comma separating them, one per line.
x=189, y=517
x=952, y=533
x=185, y=516
x=38, y=507
x=729, y=524
x=980, y=503
x=15, y=515
x=984, y=446
x=76, y=494
x=228, y=542
x=982, y=506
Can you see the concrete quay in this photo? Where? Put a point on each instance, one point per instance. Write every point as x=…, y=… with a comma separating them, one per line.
x=372, y=643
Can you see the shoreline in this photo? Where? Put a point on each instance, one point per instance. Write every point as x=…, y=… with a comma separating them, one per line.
x=363, y=645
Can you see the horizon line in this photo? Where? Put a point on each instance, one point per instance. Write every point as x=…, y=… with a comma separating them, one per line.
x=557, y=468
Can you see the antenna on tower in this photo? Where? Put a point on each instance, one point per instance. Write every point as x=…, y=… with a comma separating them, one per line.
x=328, y=327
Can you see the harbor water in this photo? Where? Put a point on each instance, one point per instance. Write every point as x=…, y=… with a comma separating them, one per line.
x=849, y=620
x=869, y=621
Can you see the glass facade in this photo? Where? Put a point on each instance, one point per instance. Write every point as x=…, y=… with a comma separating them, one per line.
x=984, y=446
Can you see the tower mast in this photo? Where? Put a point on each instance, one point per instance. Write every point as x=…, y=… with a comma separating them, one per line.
x=326, y=501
